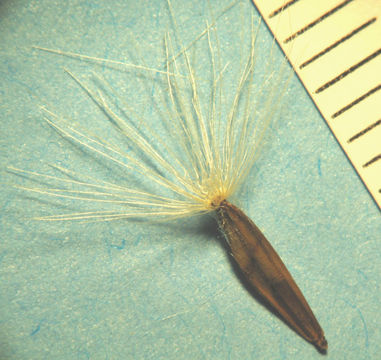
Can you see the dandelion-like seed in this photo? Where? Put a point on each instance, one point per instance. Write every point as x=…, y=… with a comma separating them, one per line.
x=198, y=172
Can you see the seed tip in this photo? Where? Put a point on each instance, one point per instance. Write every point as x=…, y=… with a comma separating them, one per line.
x=322, y=345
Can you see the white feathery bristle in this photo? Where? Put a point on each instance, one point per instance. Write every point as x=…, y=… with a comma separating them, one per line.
x=203, y=158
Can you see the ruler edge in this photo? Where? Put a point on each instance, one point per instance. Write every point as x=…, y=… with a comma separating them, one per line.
x=373, y=197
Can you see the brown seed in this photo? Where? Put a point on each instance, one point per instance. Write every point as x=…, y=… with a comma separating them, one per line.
x=266, y=273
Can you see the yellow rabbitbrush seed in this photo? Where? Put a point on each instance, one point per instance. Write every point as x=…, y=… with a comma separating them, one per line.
x=200, y=163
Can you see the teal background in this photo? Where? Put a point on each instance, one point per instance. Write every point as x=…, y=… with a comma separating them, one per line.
x=132, y=290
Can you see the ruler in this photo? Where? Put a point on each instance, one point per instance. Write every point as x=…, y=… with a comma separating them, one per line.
x=335, y=48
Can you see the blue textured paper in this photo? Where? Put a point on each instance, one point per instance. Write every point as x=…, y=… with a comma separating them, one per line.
x=131, y=290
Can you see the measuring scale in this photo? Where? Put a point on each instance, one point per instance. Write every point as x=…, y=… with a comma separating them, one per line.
x=335, y=46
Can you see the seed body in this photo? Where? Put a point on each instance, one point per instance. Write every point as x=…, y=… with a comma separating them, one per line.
x=266, y=273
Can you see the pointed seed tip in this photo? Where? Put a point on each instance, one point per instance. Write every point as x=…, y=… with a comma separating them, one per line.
x=322, y=345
